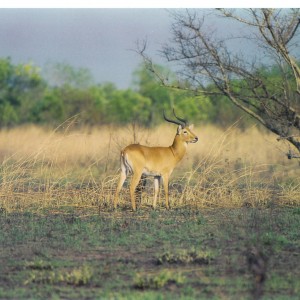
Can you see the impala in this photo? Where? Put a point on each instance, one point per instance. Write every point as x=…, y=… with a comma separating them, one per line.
x=159, y=162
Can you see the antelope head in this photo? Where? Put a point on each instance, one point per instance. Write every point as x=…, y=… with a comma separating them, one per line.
x=184, y=130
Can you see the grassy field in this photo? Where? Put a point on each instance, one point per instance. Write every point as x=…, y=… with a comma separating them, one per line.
x=232, y=232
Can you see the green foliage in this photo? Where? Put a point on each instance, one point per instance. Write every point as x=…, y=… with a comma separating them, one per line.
x=38, y=265
x=65, y=91
x=160, y=98
x=49, y=109
x=8, y=114
x=197, y=108
x=224, y=113
x=77, y=276
x=62, y=74
x=127, y=106
x=17, y=84
x=185, y=257
x=79, y=252
x=158, y=281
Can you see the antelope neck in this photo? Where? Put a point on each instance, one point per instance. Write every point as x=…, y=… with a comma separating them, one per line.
x=178, y=147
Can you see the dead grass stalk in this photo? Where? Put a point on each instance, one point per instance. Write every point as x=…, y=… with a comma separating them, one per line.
x=42, y=168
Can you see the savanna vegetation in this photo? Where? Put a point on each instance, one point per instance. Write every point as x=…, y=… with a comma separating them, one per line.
x=209, y=62
x=232, y=231
x=233, y=228
x=51, y=96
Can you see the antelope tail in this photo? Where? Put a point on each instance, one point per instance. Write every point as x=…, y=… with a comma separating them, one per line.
x=125, y=165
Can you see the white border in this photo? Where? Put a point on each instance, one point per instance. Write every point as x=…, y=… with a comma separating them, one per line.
x=144, y=3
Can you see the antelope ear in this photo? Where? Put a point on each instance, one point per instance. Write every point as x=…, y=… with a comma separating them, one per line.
x=179, y=129
x=191, y=126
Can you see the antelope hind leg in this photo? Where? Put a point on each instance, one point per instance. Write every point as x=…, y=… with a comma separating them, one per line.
x=156, y=190
x=120, y=184
x=134, y=182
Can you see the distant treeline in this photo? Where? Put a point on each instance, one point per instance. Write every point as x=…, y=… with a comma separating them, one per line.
x=27, y=96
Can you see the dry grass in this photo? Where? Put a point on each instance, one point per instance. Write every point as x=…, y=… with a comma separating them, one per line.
x=226, y=168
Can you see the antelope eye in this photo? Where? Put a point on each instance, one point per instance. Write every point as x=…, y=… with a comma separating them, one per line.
x=185, y=132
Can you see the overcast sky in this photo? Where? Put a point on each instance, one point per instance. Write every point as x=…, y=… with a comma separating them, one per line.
x=98, y=39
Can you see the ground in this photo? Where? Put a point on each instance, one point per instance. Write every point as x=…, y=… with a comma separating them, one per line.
x=232, y=231
x=183, y=253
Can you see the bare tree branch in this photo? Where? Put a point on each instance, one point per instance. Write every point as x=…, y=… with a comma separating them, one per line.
x=207, y=60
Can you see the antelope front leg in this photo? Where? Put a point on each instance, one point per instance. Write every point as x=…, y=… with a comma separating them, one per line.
x=140, y=189
x=166, y=187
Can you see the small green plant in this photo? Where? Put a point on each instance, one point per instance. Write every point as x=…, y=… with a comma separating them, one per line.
x=38, y=265
x=77, y=277
x=159, y=280
x=296, y=211
x=185, y=257
x=274, y=239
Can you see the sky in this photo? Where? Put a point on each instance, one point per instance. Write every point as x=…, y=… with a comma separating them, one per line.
x=102, y=40
x=99, y=39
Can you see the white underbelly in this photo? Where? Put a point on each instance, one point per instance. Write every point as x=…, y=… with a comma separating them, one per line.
x=150, y=173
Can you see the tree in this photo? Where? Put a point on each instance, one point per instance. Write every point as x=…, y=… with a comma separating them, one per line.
x=207, y=60
x=127, y=106
x=49, y=109
x=62, y=74
x=20, y=87
x=145, y=83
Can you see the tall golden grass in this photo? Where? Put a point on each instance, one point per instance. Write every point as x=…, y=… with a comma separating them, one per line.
x=42, y=168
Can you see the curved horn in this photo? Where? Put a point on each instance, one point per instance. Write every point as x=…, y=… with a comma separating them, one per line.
x=185, y=122
x=171, y=121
